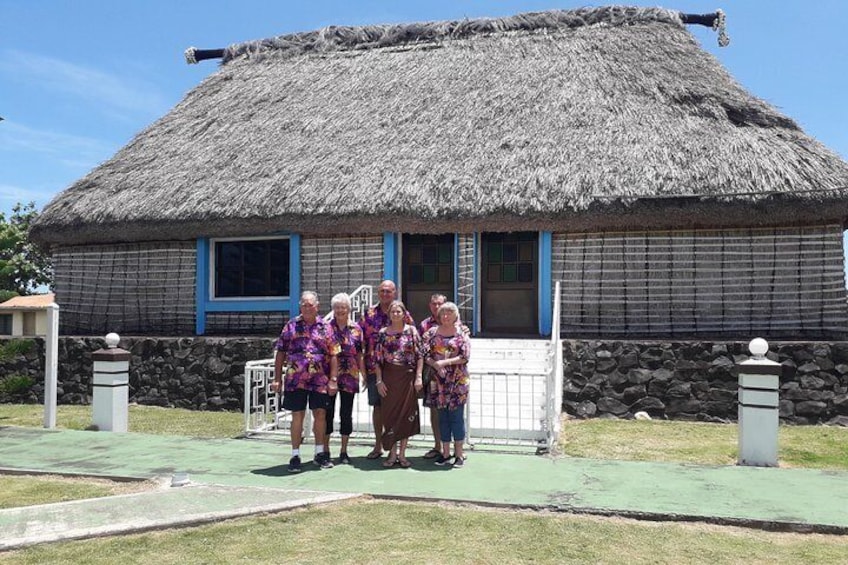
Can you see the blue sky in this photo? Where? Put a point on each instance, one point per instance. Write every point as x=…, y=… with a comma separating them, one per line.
x=79, y=79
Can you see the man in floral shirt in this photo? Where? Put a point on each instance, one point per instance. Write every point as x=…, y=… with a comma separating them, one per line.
x=307, y=351
x=374, y=320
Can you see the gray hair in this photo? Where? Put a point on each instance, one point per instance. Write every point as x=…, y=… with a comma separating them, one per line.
x=447, y=307
x=308, y=293
x=339, y=299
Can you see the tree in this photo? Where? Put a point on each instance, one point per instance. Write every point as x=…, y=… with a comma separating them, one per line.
x=24, y=267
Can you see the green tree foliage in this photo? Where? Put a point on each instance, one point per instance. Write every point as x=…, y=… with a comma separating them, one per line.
x=23, y=266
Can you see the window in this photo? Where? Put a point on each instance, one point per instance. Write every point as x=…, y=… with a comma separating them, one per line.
x=5, y=324
x=250, y=268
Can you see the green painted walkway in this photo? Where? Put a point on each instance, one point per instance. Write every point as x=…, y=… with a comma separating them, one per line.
x=806, y=500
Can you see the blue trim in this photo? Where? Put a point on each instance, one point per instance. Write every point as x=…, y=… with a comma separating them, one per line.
x=545, y=282
x=456, y=268
x=390, y=256
x=294, y=277
x=204, y=304
x=250, y=305
x=201, y=286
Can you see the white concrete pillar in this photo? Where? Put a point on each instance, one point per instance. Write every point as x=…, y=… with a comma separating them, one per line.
x=759, y=407
x=51, y=366
x=110, y=384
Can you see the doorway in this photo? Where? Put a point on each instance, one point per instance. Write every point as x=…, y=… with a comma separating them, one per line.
x=428, y=268
x=509, y=283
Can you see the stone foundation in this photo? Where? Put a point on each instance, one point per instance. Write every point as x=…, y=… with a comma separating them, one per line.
x=673, y=380
x=697, y=380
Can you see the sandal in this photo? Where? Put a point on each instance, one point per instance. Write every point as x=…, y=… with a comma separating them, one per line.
x=404, y=462
x=432, y=454
x=375, y=454
x=390, y=462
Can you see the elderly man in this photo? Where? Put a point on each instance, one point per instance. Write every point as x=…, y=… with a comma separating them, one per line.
x=374, y=320
x=306, y=348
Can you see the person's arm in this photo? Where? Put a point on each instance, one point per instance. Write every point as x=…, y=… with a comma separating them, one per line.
x=279, y=360
x=333, y=384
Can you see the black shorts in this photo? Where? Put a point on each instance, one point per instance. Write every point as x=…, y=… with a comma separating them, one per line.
x=373, y=396
x=295, y=401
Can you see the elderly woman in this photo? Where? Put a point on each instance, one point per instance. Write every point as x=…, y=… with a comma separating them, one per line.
x=349, y=352
x=399, y=362
x=447, y=349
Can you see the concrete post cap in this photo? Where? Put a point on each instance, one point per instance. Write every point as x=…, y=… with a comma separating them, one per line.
x=112, y=340
x=758, y=347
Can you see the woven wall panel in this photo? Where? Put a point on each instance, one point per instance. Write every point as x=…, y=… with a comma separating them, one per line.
x=465, y=282
x=775, y=282
x=330, y=265
x=246, y=323
x=129, y=289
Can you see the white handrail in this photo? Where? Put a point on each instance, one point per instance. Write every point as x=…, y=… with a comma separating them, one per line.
x=555, y=374
x=360, y=300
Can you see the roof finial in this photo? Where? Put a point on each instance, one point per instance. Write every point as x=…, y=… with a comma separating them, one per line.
x=716, y=20
x=720, y=25
x=190, y=55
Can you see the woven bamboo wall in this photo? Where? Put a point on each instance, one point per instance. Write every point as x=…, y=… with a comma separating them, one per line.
x=330, y=265
x=786, y=282
x=130, y=288
x=465, y=282
x=245, y=323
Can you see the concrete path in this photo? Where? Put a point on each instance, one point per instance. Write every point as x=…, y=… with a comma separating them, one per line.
x=788, y=499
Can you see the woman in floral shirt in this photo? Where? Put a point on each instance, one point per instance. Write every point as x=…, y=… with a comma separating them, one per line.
x=447, y=350
x=348, y=340
x=399, y=361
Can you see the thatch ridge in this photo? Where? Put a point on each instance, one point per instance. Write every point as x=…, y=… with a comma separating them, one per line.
x=585, y=128
x=343, y=38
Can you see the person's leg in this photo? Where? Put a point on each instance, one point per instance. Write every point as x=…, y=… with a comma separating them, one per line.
x=434, y=425
x=328, y=429
x=318, y=404
x=458, y=432
x=295, y=402
x=346, y=416
x=444, y=430
x=393, y=456
x=404, y=462
x=376, y=416
x=296, y=430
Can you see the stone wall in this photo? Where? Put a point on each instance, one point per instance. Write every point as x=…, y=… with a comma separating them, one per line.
x=195, y=372
x=697, y=380
x=674, y=380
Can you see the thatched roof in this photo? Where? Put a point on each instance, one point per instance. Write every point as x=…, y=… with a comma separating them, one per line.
x=604, y=118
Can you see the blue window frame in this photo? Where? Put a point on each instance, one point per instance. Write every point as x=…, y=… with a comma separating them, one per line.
x=256, y=274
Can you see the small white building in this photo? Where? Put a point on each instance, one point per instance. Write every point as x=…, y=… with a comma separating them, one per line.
x=25, y=315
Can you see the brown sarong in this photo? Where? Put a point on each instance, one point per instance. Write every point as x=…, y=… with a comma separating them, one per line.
x=399, y=407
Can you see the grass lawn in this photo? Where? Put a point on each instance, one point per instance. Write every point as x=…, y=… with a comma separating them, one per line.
x=379, y=531
x=812, y=447
x=26, y=490
x=142, y=419
x=365, y=531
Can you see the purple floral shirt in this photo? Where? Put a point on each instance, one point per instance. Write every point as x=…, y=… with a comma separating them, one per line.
x=371, y=323
x=308, y=348
x=349, y=345
x=404, y=348
x=452, y=386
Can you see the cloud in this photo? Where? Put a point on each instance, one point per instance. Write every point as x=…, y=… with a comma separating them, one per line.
x=86, y=151
x=97, y=87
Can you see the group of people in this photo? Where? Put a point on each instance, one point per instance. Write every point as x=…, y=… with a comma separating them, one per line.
x=386, y=355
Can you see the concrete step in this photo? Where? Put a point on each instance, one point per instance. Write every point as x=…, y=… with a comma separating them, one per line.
x=511, y=357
